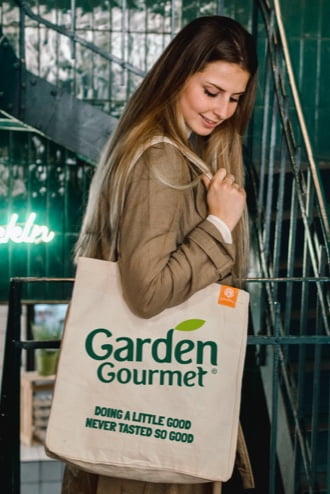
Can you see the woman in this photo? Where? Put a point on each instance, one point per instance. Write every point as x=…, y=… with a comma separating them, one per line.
x=167, y=200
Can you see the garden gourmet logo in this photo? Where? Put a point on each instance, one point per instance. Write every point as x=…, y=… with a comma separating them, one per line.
x=101, y=345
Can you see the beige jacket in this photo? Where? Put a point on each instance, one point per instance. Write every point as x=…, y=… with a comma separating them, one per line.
x=167, y=251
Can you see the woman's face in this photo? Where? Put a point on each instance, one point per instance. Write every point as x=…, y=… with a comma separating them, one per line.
x=211, y=96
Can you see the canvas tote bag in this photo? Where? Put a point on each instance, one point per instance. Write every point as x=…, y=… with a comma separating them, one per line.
x=149, y=399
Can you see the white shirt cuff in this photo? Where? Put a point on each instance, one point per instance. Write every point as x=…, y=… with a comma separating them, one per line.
x=222, y=227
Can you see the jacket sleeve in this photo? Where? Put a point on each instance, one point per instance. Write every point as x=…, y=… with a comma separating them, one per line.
x=161, y=264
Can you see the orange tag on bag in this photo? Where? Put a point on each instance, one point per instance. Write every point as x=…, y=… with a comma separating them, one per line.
x=228, y=296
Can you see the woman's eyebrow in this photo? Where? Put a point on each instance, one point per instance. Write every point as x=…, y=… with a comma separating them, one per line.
x=223, y=90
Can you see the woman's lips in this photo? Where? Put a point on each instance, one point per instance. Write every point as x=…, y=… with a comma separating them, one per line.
x=209, y=123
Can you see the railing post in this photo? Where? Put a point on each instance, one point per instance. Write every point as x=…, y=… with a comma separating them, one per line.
x=10, y=396
x=274, y=410
x=22, y=66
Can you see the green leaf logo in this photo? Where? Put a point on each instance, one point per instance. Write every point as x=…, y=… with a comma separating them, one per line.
x=190, y=325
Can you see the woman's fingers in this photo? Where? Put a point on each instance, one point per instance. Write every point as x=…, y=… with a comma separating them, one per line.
x=230, y=179
x=225, y=198
x=220, y=175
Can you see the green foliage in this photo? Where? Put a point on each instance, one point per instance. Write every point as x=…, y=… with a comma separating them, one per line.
x=44, y=333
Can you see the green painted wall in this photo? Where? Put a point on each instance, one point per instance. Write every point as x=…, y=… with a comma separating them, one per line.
x=308, y=30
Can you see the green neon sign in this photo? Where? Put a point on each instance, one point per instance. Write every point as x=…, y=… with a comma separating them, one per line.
x=28, y=232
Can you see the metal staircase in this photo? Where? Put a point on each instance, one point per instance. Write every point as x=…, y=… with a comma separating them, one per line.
x=290, y=245
x=289, y=342
x=51, y=110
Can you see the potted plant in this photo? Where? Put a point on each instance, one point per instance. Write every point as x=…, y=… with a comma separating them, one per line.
x=46, y=358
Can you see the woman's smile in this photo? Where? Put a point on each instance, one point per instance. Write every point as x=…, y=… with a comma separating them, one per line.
x=208, y=122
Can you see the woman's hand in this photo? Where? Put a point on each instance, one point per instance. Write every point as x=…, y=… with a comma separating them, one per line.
x=225, y=198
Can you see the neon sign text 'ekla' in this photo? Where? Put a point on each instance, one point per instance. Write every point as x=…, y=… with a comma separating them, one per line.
x=29, y=232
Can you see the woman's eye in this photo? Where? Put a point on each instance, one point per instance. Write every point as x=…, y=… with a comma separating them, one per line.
x=210, y=93
x=234, y=100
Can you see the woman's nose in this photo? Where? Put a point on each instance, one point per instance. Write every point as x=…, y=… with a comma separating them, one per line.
x=223, y=110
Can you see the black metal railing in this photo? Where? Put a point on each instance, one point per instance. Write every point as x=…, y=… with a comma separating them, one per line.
x=15, y=345
x=11, y=384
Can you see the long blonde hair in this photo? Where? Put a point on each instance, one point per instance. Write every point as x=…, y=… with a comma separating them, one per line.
x=152, y=111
